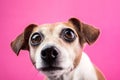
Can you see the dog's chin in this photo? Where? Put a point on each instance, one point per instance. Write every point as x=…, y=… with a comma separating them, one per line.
x=50, y=68
x=52, y=72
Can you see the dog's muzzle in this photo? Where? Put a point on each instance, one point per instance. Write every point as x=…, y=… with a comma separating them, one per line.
x=50, y=59
x=49, y=55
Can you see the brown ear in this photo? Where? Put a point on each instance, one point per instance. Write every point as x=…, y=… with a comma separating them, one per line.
x=87, y=33
x=21, y=42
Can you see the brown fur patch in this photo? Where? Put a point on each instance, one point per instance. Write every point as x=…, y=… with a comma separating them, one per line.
x=87, y=33
x=21, y=42
x=16, y=45
x=77, y=59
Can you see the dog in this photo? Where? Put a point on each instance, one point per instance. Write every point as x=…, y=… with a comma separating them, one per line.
x=57, y=49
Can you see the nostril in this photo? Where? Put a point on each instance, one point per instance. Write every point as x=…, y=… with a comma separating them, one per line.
x=43, y=54
x=54, y=54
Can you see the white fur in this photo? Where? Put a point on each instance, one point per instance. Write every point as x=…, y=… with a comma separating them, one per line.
x=83, y=71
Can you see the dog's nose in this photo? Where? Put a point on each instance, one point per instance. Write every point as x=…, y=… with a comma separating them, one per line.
x=49, y=54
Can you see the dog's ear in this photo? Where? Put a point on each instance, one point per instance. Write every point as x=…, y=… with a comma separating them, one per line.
x=86, y=33
x=21, y=42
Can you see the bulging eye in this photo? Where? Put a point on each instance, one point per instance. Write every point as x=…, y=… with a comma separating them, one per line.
x=36, y=39
x=68, y=35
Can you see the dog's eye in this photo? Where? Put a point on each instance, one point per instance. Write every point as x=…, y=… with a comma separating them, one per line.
x=68, y=35
x=36, y=39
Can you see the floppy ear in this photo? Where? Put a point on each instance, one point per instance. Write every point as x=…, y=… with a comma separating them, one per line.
x=87, y=33
x=21, y=42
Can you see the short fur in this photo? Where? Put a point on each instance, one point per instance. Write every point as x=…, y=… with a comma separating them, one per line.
x=71, y=62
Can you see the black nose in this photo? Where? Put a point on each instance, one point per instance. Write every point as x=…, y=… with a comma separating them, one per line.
x=49, y=54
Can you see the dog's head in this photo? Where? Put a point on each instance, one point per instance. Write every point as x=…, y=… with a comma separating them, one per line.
x=56, y=48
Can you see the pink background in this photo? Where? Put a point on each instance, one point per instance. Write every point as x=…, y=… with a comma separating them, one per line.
x=15, y=15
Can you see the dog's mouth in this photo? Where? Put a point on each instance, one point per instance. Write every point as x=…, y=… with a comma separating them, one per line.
x=51, y=68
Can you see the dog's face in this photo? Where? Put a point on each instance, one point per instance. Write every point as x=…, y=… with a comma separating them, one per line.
x=56, y=48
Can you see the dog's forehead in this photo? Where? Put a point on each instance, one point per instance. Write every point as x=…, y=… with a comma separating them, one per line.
x=54, y=27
